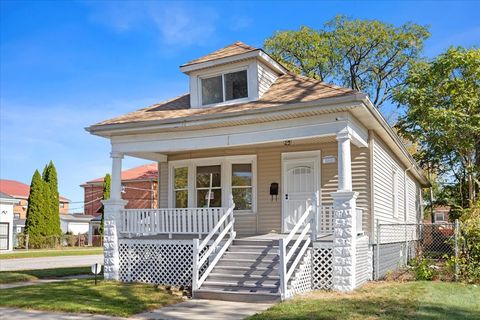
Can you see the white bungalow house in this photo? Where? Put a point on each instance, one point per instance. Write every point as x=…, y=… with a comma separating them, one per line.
x=270, y=183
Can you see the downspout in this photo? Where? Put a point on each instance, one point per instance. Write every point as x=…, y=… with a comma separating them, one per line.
x=405, y=211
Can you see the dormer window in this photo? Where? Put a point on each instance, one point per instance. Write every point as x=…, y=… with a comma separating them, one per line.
x=224, y=87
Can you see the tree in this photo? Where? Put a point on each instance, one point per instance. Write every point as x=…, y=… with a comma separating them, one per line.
x=52, y=197
x=365, y=55
x=35, y=224
x=442, y=112
x=106, y=195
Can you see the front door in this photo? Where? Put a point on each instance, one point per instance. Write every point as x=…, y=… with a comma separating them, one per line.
x=300, y=182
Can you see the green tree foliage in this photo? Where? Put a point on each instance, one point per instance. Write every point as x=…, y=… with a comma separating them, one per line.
x=52, y=197
x=106, y=195
x=35, y=225
x=442, y=102
x=365, y=55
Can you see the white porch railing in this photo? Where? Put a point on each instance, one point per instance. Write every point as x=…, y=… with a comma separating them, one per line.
x=200, y=258
x=325, y=220
x=197, y=221
x=288, y=254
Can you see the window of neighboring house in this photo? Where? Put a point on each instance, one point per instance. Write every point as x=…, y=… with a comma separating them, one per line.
x=62, y=205
x=395, y=193
x=181, y=187
x=209, y=178
x=439, y=217
x=242, y=186
x=16, y=216
x=225, y=87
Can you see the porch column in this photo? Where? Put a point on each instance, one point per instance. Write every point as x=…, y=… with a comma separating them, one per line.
x=344, y=162
x=344, y=221
x=111, y=220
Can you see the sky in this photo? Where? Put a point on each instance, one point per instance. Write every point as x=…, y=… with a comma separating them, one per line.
x=65, y=65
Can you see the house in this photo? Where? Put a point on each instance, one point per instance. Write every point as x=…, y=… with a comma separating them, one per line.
x=139, y=187
x=21, y=191
x=6, y=221
x=75, y=223
x=271, y=183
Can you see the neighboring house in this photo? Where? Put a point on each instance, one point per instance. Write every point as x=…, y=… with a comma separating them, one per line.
x=442, y=214
x=139, y=187
x=6, y=221
x=310, y=167
x=75, y=223
x=21, y=191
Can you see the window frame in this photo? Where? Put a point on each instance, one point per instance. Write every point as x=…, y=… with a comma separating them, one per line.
x=222, y=74
x=443, y=217
x=395, y=191
x=226, y=177
x=179, y=189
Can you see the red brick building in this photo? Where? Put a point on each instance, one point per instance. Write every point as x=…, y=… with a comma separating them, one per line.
x=21, y=191
x=139, y=188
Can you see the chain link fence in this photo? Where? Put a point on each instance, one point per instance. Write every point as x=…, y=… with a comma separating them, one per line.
x=398, y=244
x=25, y=241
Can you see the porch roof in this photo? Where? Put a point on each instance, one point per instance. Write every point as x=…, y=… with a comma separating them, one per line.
x=288, y=89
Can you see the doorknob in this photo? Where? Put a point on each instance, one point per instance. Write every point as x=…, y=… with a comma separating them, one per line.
x=286, y=196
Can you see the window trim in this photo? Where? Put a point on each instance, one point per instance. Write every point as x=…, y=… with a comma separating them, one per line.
x=222, y=74
x=226, y=178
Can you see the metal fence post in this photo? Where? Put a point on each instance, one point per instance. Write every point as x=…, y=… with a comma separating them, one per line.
x=456, y=233
x=377, y=262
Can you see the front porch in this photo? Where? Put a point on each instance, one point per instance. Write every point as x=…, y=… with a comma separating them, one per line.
x=264, y=217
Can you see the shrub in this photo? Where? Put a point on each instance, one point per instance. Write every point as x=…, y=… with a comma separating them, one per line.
x=469, y=241
x=423, y=269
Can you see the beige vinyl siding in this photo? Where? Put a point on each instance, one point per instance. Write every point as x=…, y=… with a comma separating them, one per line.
x=163, y=185
x=269, y=167
x=266, y=77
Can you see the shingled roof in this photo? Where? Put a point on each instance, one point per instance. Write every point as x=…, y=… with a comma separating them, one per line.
x=289, y=88
x=233, y=49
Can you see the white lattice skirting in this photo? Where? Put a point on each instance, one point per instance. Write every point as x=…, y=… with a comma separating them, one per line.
x=322, y=267
x=302, y=279
x=167, y=262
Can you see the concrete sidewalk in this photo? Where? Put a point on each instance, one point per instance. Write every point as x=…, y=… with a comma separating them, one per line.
x=205, y=310
x=49, y=262
x=188, y=310
x=23, y=314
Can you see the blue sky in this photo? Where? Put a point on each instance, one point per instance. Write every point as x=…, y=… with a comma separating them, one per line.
x=67, y=64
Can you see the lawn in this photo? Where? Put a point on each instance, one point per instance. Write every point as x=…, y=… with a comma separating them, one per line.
x=108, y=297
x=385, y=300
x=35, y=253
x=29, y=275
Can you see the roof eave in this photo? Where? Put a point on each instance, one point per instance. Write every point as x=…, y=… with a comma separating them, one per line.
x=108, y=130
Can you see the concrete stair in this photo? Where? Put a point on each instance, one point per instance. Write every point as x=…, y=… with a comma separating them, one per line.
x=247, y=272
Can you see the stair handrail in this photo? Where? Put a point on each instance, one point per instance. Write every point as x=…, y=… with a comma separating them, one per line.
x=286, y=255
x=198, y=247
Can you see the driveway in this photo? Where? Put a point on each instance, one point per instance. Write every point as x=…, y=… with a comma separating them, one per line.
x=49, y=262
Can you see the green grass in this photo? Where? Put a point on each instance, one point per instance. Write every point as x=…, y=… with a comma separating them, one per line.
x=29, y=275
x=108, y=297
x=387, y=300
x=36, y=253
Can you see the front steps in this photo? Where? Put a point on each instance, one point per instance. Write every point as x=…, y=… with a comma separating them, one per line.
x=247, y=272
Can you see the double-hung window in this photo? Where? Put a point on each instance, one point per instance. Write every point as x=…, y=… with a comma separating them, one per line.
x=209, y=186
x=180, y=188
x=224, y=87
x=242, y=186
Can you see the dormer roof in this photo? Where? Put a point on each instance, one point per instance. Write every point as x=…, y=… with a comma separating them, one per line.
x=236, y=51
x=233, y=49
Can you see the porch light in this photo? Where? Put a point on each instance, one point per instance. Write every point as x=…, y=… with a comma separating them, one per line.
x=287, y=142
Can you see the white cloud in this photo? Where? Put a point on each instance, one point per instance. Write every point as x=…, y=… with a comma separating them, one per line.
x=177, y=23
x=183, y=25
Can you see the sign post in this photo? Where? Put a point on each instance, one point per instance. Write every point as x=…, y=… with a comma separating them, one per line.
x=96, y=269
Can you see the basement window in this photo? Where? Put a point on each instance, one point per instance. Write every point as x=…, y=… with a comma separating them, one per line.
x=225, y=87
